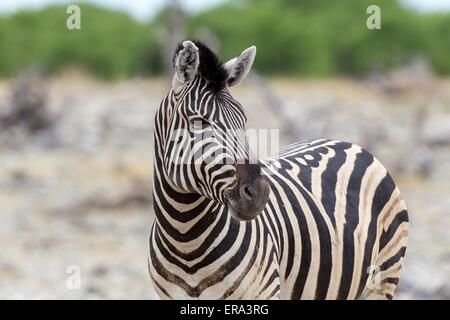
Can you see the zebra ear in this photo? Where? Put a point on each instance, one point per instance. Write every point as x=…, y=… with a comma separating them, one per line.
x=239, y=67
x=186, y=63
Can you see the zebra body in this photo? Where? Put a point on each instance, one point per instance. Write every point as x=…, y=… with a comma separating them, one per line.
x=334, y=225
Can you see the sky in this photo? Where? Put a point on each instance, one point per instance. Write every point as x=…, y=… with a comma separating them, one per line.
x=145, y=9
x=140, y=9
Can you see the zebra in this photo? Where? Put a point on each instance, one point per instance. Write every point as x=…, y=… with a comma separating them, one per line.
x=322, y=219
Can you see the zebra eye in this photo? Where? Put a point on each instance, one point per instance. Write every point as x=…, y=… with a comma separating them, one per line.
x=200, y=123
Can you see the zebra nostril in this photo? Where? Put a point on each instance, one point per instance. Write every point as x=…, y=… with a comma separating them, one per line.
x=248, y=192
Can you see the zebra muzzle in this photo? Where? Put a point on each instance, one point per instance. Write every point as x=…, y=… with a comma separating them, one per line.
x=249, y=196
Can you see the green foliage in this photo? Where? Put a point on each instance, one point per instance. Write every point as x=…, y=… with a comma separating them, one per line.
x=109, y=44
x=293, y=37
x=327, y=37
x=437, y=42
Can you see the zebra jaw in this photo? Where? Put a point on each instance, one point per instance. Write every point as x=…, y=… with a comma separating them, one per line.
x=248, y=197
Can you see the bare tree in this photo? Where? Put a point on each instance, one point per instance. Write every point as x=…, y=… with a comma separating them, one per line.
x=170, y=34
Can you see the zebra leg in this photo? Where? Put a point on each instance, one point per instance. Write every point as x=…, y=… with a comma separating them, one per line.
x=385, y=275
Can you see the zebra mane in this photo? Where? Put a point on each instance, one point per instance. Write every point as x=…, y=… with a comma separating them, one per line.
x=210, y=68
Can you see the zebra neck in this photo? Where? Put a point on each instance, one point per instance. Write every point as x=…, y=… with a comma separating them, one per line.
x=185, y=219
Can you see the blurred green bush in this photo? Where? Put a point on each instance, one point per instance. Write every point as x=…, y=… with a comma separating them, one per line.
x=307, y=38
x=109, y=44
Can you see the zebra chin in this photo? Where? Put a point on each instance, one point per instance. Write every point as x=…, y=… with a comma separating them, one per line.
x=249, y=196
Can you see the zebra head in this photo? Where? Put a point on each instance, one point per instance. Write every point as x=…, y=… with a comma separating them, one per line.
x=206, y=150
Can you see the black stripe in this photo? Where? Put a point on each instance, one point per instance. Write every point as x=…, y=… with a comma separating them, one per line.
x=390, y=280
x=362, y=162
x=387, y=235
x=329, y=179
x=394, y=259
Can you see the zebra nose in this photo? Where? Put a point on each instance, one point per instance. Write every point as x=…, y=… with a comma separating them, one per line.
x=249, y=199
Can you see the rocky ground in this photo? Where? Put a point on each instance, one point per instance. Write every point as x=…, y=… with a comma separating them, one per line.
x=75, y=197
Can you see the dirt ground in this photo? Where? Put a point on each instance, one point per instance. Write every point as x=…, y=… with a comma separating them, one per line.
x=78, y=194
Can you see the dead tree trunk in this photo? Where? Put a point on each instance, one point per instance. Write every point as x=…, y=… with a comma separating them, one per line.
x=169, y=35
